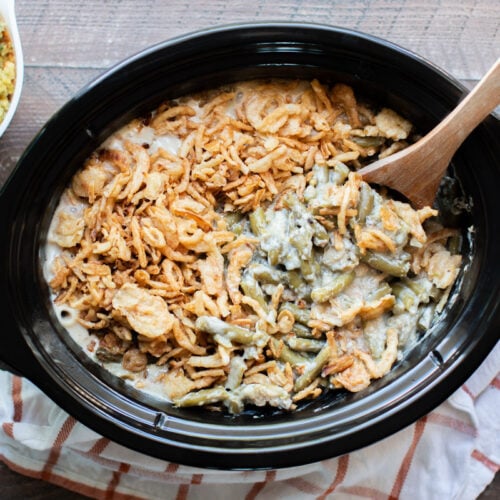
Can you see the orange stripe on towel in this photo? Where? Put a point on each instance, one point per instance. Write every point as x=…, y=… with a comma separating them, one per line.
x=342, y=465
x=258, y=487
x=182, y=492
x=490, y=464
x=53, y=457
x=406, y=464
x=115, y=480
x=17, y=384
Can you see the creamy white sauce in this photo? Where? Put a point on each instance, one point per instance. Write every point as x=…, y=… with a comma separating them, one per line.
x=67, y=317
x=51, y=251
x=137, y=133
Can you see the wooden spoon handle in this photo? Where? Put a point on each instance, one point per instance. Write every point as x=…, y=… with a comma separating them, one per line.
x=474, y=108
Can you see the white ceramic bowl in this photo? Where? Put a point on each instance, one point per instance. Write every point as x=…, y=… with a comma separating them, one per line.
x=7, y=11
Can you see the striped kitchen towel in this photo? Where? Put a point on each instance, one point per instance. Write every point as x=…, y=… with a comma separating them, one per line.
x=451, y=453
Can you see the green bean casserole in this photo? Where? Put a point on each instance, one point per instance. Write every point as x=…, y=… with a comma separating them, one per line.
x=223, y=251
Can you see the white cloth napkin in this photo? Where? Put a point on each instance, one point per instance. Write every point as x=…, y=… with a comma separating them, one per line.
x=451, y=453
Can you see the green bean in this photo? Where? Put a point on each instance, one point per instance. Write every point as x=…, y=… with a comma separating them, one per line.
x=313, y=370
x=302, y=212
x=237, y=229
x=291, y=201
x=321, y=236
x=258, y=222
x=386, y=264
x=302, y=242
x=426, y=316
x=405, y=296
x=295, y=280
x=203, y=397
x=233, y=219
x=286, y=354
x=454, y=244
x=274, y=256
x=237, y=368
x=435, y=293
x=223, y=331
x=311, y=229
x=300, y=315
x=252, y=289
x=309, y=269
x=343, y=171
x=266, y=274
x=369, y=142
x=302, y=331
x=366, y=201
x=305, y=345
x=418, y=289
x=301, y=238
x=234, y=405
x=382, y=290
x=333, y=288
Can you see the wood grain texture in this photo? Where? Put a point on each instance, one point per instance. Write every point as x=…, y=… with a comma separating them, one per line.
x=462, y=37
x=67, y=43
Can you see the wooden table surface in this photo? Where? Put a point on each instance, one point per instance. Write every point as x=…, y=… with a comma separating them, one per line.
x=68, y=43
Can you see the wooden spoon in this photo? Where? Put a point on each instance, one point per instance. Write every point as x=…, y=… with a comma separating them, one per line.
x=417, y=170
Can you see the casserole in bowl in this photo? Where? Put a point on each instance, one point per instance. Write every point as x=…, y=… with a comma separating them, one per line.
x=11, y=64
x=337, y=422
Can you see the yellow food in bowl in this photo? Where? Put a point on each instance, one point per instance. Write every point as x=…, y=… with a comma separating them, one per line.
x=7, y=70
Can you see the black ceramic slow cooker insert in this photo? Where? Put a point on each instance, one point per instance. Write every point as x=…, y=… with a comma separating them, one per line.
x=35, y=345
